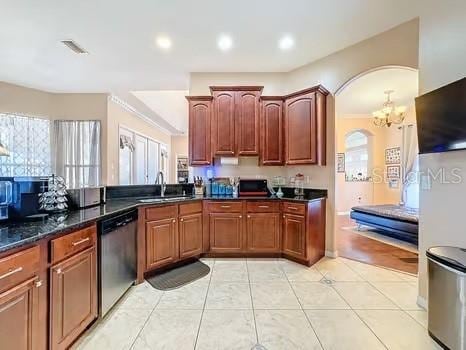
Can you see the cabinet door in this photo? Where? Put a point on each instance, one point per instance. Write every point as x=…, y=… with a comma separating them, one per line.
x=301, y=130
x=294, y=235
x=226, y=232
x=161, y=242
x=19, y=316
x=223, y=123
x=199, y=131
x=190, y=235
x=73, y=297
x=271, y=128
x=263, y=232
x=247, y=122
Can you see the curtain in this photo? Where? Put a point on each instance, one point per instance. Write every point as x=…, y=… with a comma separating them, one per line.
x=409, y=151
x=77, y=152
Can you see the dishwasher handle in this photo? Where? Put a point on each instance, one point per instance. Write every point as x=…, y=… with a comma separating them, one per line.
x=118, y=222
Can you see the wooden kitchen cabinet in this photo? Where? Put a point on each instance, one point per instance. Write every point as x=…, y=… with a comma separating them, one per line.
x=271, y=131
x=190, y=231
x=294, y=235
x=161, y=242
x=247, y=122
x=200, y=115
x=19, y=316
x=223, y=124
x=226, y=232
x=235, y=120
x=305, y=127
x=263, y=232
x=73, y=297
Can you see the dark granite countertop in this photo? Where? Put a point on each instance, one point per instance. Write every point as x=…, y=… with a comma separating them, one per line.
x=17, y=234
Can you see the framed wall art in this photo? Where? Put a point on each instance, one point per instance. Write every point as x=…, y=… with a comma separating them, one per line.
x=393, y=172
x=340, y=162
x=393, y=155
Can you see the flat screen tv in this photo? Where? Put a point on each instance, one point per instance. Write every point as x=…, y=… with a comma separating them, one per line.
x=441, y=119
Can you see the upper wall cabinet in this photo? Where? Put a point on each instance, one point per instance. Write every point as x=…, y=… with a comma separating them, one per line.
x=271, y=131
x=235, y=120
x=247, y=122
x=305, y=127
x=200, y=115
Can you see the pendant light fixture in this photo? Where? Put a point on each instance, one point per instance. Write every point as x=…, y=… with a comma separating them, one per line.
x=389, y=114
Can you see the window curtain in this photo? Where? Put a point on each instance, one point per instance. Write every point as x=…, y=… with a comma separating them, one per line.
x=409, y=151
x=77, y=156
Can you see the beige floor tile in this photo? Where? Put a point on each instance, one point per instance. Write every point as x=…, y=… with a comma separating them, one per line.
x=191, y=296
x=403, y=294
x=274, y=295
x=420, y=316
x=407, y=277
x=342, y=329
x=316, y=295
x=266, y=273
x=285, y=329
x=397, y=330
x=142, y=296
x=227, y=330
x=118, y=331
x=362, y=295
x=230, y=272
x=337, y=270
x=299, y=273
x=169, y=329
x=373, y=273
x=228, y=295
x=208, y=261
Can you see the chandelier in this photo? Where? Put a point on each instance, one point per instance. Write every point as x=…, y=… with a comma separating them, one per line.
x=389, y=114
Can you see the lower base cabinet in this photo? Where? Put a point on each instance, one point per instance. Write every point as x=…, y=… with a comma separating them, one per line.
x=294, y=235
x=19, y=316
x=73, y=297
x=263, y=232
x=226, y=232
x=161, y=242
x=190, y=230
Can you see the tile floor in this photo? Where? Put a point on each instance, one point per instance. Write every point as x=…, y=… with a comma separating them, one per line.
x=271, y=304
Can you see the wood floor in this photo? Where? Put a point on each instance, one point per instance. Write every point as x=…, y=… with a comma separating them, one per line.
x=370, y=251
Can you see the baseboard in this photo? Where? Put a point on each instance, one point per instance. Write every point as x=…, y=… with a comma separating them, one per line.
x=331, y=253
x=422, y=302
x=341, y=213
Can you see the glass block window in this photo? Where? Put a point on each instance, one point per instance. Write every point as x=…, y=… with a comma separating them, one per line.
x=28, y=140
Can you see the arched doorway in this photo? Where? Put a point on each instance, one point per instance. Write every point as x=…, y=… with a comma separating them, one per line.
x=363, y=180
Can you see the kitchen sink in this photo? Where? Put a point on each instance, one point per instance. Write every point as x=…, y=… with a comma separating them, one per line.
x=163, y=199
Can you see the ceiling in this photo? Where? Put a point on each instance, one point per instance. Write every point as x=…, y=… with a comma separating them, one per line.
x=120, y=37
x=365, y=94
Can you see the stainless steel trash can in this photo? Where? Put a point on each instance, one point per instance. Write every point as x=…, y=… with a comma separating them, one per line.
x=447, y=296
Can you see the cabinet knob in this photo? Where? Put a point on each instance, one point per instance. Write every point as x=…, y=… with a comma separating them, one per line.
x=240, y=216
x=283, y=216
x=181, y=219
x=58, y=271
x=249, y=216
x=174, y=221
x=38, y=284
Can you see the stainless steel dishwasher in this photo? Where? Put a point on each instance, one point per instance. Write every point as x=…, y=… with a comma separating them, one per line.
x=117, y=258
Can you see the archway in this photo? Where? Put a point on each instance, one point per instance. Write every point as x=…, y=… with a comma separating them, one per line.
x=355, y=182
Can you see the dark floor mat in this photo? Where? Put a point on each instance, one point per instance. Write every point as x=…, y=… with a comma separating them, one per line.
x=179, y=276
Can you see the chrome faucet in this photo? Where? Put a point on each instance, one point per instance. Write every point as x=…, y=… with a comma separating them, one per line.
x=159, y=180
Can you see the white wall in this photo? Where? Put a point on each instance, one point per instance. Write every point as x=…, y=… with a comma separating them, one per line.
x=442, y=59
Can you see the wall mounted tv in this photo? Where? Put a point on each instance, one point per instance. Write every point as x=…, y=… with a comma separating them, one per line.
x=441, y=119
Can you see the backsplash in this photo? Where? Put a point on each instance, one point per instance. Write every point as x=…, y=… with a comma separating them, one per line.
x=248, y=167
x=114, y=192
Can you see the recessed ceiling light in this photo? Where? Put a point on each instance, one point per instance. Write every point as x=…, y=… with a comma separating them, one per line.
x=163, y=42
x=225, y=42
x=286, y=42
x=72, y=45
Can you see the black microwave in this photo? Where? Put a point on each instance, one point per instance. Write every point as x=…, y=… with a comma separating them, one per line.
x=253, y=187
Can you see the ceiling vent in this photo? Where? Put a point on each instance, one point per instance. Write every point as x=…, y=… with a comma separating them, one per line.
x=74, y=47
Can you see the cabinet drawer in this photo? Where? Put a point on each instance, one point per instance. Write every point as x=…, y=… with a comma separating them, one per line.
x=159, y=213
x=263, y=207
x=72, y=243
x=294, y=208
x=225, y=207
x=18, y=267
x=189, y=208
